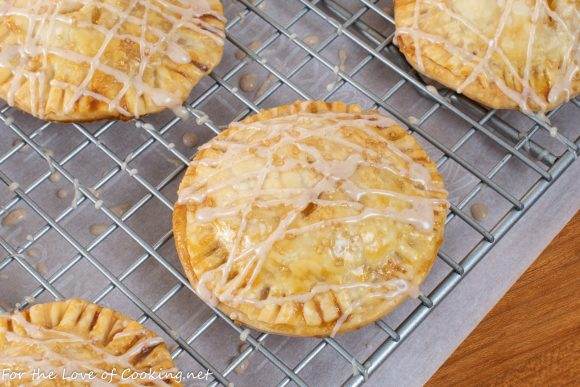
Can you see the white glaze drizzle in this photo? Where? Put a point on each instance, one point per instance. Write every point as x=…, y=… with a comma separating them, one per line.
x=561, y=85
x=335, y=175
x=418, y=56
x=490, y=50
x=77, y=193
x=44, y=19
x=396, y=288
x=42, y=339
x=529, y=51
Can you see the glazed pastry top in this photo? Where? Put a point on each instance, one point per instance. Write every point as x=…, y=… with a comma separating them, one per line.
x=311, y=207
x=89, y=59
x=510, y=53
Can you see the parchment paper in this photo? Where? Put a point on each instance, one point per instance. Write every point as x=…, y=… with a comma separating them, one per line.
x=96, y=154
x=416, y=360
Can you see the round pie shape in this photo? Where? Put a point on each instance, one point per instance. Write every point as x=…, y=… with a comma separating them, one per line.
x=74, y=337
x=309, y=219
x=83, y=60
x=502, y=54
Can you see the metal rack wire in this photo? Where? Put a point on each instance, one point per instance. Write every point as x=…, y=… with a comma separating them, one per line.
x=366, y=25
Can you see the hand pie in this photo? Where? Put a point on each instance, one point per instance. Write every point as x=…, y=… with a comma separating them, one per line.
x=74, y=337
x=504, y=54
x=309, y=219
x=84, y=60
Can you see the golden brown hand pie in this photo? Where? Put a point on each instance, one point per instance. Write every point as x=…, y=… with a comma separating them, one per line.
x=309, y=219
x=74, y=337
x=81, y=60
x=504, y=54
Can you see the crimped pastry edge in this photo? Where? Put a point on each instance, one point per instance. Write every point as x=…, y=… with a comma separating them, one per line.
x=161, y=355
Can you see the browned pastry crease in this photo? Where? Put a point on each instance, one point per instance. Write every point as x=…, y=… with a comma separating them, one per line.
x=503, y=54
x=86, y=60
x=310, y=219
x=76, y=336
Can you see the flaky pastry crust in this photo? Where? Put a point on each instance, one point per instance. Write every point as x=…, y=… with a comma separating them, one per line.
x=85, y=60
x=309, y=219
x=503, y=54
x=74, y=337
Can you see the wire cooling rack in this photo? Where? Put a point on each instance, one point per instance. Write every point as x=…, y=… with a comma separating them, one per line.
x=110, y=241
